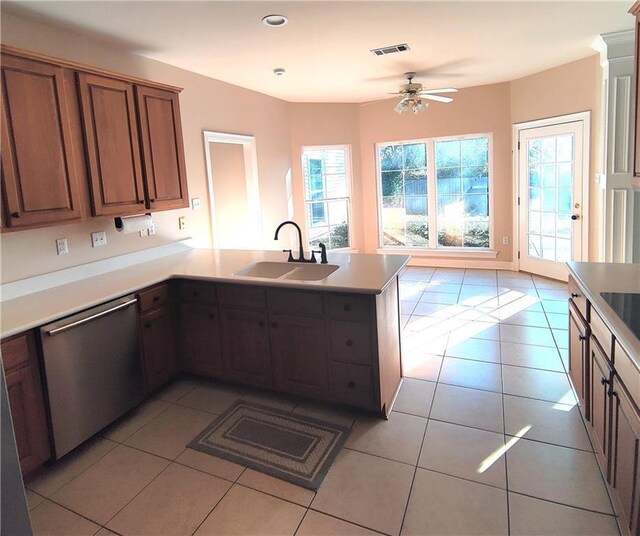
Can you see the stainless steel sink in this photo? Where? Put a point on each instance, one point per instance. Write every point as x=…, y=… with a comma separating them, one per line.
x=288, y=270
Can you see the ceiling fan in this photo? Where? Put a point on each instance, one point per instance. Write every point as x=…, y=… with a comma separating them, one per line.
x=412, y=95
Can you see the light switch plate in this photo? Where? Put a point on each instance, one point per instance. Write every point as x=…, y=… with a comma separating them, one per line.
x=195, y=203
x=182, y=223
x=98, y=239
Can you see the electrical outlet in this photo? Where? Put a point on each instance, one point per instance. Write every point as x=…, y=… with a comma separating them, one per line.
x=144, y=233
x=98, y=239
x=151, y=230
x=505, y=240
x=182, y=223
x=61, y=246
x=196, y=204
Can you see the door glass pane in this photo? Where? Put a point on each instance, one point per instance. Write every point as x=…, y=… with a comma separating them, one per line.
x=550, y=162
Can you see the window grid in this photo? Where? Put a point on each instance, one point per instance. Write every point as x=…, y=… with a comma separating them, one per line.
x=326, y=196
x=447, y=189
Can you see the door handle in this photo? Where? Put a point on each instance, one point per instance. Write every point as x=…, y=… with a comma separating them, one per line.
x=575, y=217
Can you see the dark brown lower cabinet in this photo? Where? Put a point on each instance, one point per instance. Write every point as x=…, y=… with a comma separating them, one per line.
x=299, y=350
x=246, y=346
x=26, y=400
x=625, y=456
x=600, y=403
x=201, y=346
x=158, y=347
x=579, y=335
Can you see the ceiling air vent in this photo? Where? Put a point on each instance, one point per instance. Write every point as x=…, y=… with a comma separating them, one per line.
x=383, y=51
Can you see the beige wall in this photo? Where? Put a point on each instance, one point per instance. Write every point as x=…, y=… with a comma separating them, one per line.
x=281, y=129
x=570, y=88
x=327, y=124
x=477, y=110
x=206, y=104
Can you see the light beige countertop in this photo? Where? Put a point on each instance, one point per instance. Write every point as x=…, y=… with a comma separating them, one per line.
x=358, y=273
x=597, y=277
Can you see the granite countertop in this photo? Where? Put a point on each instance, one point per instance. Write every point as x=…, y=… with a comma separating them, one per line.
x=597, y=277
x=358, y=273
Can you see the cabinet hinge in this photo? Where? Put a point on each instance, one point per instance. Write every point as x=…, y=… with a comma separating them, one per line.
x=518, y=254
x=518, y=200
x=518, y=146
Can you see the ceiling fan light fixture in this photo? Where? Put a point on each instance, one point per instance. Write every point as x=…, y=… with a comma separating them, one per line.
x=402, y=106
x=275, y=21
x=418, y=106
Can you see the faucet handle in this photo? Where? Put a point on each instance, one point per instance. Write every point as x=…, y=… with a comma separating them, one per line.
x=323, y=253
x=290, y=259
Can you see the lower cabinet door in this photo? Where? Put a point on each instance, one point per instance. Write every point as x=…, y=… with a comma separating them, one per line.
x=299, y=355
x=201, y=346
x=158, y=347
x=600, y=414
x=245, y=347
x=579, y=335
x=625, y=457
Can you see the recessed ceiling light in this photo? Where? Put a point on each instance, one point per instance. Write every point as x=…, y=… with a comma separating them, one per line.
x=275, y=20
x=279, y=71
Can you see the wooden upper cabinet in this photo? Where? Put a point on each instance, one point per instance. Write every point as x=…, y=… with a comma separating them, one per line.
x=162, y=148
x=39, y=173
x=111, y=138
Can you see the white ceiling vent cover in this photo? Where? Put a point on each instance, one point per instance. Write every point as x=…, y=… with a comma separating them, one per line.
x=383, y=51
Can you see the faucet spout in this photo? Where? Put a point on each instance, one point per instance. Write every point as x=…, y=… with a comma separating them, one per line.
x=301, y=256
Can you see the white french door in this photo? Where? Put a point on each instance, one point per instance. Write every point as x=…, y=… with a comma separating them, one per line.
x=552, y=174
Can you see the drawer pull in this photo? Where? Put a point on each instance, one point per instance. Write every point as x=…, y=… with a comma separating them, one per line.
x=156, y=298
x=349, y=342
x=141, y=201
x=274, y=324
x=351, y=384
x=152, y=200
x=15, y=214
x=347, y=307
x=582, y=337
x=604, y=381
x=574, y=294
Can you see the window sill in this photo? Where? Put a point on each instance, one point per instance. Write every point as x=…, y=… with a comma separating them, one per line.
x=450, y=252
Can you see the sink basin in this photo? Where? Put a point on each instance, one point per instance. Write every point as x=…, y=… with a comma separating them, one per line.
x=311, y=272
x=270, y=270
x=288, y=270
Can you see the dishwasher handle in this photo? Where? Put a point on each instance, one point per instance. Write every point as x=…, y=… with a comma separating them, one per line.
x=90, y=318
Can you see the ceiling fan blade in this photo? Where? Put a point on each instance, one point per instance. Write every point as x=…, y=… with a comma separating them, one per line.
x=442, y=90
x=436, y=98
x=372, y=102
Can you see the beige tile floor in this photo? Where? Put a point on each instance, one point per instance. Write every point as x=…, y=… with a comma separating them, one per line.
x=485, y=438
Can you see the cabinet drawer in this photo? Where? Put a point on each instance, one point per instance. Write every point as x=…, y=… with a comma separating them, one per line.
x=351, y=342
x=628, y=373
x=153, y=297
x=295, y=302
x=352, y=384
x=349, y=306
x=243, y=296
x=578, y=297
x=198, y=292
x=15, y=352
x=601, y=332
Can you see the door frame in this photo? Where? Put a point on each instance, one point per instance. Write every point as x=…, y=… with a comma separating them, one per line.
x=585, y=117
x=248, y=144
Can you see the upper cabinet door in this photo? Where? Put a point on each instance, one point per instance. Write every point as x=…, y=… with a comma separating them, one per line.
x=111, y=137
x=162, y=148
x=39, y=167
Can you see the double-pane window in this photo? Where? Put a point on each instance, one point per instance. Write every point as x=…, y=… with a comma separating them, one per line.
x=435, y=193
x=326, y=195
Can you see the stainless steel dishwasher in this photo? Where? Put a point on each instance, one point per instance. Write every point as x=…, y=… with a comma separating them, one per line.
x=93, y=370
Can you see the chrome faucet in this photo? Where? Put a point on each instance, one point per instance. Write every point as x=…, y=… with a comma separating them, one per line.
x=323, y=250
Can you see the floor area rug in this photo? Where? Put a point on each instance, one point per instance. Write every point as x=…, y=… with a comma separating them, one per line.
x=291, y=447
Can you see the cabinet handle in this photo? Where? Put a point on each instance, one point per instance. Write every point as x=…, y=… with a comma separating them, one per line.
x=604, y=381
x=574, y=294
x=274, y=324
x=582, y=337
x=152, y=200
x=351, y=384
x=156, y=298
x=261, y=323
x=141, y=201
x=349, y=342
x=147, y=324
x=15, y=214
x=347, y=307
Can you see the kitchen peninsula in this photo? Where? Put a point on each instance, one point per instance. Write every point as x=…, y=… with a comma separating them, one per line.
x=335, y=339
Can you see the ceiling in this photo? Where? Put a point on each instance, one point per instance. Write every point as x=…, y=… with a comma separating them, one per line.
x=325, y=47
